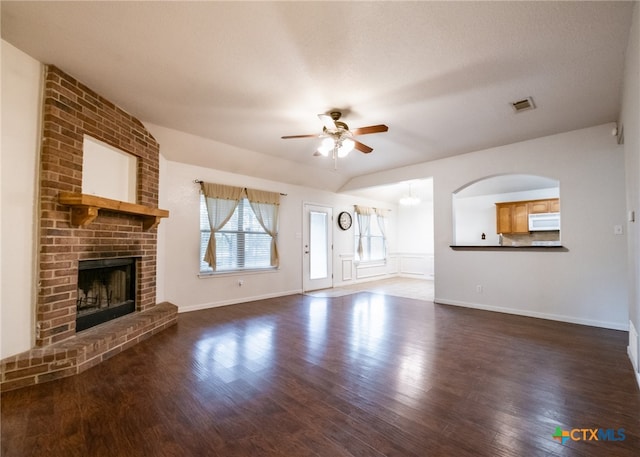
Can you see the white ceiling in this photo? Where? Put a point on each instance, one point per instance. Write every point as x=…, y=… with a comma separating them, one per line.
x=441, y=75
x=420, y=188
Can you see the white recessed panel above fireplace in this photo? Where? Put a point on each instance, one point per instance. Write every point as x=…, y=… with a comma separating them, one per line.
x=107, y=171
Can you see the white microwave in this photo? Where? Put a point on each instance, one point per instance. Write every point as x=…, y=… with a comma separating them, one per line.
x=544, y=222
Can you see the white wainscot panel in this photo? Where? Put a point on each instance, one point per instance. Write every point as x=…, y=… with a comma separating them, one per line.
x=393, y=264
x=347, y=269
x=353, y=272
x=416, y=265
x=371, y=270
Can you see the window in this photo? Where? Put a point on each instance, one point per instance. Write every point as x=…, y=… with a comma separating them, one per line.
x=241, y=243
x=373, y=242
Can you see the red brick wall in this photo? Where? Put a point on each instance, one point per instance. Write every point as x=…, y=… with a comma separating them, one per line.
x=71, y=110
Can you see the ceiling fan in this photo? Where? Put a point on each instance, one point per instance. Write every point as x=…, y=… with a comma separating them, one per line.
x=338, y=139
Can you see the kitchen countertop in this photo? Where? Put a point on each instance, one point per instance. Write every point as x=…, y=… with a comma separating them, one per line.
x=555, y=247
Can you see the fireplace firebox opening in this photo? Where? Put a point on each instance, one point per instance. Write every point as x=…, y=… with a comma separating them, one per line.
x=106, y=291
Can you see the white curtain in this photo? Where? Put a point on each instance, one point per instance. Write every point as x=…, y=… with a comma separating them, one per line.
x=221, y=202
x=363, y=213
x=265, y=206
x=382, y=224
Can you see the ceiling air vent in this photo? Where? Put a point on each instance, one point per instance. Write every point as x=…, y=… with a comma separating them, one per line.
x=523, y=105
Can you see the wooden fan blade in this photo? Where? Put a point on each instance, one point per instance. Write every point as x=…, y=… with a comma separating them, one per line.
x=298, y=136
x=370, y=129
x=327, y=121
x=362, y=147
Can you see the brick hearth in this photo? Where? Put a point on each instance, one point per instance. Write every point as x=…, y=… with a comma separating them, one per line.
x=70, y=111
x=85, y=350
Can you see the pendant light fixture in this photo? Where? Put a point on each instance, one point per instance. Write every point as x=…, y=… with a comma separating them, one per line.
x=410, y=200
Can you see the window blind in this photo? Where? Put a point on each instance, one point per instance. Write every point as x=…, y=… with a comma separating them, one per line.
x=242, y=243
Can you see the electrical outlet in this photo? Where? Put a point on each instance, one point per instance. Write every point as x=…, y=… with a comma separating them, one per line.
x=617, y=229
x=479, y=288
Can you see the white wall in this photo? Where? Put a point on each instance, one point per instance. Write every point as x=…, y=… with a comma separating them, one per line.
x=415, y=240
x=415, y=228
x=587, y=283
x=180, y=233
x=21, y=83
x=630, y=120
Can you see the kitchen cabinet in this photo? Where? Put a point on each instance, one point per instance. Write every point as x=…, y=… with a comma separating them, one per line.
x=538, y=206
x=503, y=221
x=520, y=218
x=513, y=217
x=551, y=205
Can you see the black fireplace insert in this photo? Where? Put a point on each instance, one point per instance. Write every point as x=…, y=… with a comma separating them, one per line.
x=106, y=291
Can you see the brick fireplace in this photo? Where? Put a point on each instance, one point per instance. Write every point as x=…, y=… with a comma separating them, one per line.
x=114, y=230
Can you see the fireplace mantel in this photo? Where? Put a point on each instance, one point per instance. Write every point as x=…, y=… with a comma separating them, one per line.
x=85, y=208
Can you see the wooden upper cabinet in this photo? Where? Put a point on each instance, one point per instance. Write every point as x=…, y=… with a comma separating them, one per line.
x=503, y=221
x=551, y=205
x=539, y=206
x=513, y=217
x=520, y=218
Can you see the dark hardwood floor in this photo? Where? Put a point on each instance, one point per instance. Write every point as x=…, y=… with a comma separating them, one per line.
x=359, y=375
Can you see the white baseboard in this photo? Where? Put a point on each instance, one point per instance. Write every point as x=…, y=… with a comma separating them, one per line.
x=635, y=370
x=366, y=279
x=527, y=313
x=632, y=351
x=234, y=301
x=633, y=346
x=424, y=276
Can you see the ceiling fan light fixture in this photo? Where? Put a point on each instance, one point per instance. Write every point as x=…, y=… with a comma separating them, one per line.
x=326, y=146
x=345, y=147
x=337, y=138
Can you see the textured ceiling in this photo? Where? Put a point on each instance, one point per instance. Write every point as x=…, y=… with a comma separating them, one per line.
x=441, y=75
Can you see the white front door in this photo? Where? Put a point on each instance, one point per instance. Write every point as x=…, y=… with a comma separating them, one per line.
x=317, y=247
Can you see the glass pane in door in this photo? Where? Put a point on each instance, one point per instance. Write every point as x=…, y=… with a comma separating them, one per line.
x=318, y=262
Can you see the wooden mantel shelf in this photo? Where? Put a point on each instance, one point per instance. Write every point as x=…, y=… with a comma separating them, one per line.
x=85, y=208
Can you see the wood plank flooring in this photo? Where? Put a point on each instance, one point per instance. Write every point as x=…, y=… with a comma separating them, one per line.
x=358, y=375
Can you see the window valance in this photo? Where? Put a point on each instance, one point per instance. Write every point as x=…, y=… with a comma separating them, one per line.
x=368, y=211
x=226, y=192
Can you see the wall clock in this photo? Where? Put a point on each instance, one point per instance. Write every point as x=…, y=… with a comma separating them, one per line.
x=344, y=220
